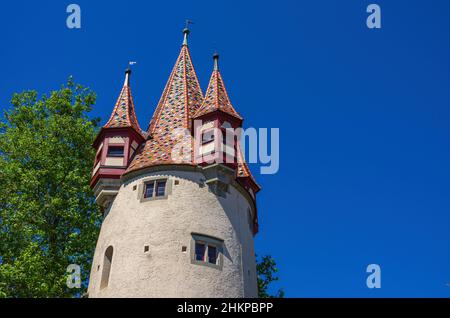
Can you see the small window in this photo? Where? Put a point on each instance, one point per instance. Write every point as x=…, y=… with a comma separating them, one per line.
x=107, y=261
x=200, y=249
x=149, y=188
x=161, y=188
x=212, y=254
x=207, y=251
x=115, y=151
x=155, y=188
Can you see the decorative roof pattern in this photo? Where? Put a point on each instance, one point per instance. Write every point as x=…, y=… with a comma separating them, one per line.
x=180, y=100
x=123, y=114
x=216, y=97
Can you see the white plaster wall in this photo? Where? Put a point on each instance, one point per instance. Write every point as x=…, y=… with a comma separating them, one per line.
x=165, y=226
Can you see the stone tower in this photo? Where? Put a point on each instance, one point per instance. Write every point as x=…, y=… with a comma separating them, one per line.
x=179, y=219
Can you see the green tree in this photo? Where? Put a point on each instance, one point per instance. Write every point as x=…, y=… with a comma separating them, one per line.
x=48, y=217
x=266, y=268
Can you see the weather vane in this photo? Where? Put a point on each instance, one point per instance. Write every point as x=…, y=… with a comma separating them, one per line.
x=188, y=22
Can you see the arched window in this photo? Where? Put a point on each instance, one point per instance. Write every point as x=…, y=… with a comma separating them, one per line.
x=107, y=260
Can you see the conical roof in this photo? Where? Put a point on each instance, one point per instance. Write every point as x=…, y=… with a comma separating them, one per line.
x=123, y=114
x=181, y=99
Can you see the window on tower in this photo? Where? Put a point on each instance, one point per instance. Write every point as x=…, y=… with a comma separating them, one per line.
x=200, y=249
x=155, y=189
x=207, y=251
x=149, y=189
x=160, y=188
x=212, y=254
x=115, y=151
x=107, y=261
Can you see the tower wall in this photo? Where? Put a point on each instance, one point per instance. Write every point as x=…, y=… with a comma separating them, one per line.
x=166, y=226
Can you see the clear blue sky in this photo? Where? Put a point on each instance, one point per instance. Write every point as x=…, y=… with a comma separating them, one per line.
x=364, y=117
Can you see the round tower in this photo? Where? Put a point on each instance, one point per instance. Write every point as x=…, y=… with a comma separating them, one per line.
x=178, y=200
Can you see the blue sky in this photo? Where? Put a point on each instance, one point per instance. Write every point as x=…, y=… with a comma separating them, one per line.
x=364, y=118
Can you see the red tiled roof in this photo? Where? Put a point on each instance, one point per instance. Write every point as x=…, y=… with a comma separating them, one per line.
x=181, y=101
x=123, y=114
x=216, y=98
x=181, y=98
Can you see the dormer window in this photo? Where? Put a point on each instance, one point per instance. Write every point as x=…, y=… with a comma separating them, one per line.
x=115, y=151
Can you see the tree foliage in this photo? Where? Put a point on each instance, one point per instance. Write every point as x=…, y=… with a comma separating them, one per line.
x=266, y=268
x=48, y=217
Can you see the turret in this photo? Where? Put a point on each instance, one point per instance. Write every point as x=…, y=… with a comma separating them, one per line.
x=215, y=124
x=217, y=149
x=116, y=145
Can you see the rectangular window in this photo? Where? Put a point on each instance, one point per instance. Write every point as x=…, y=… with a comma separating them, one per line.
x=115, y=151
x=160, y=188
x=155, y=189
x=207, y=251
x=149, y=187
x=200, y=251
x=212, y=254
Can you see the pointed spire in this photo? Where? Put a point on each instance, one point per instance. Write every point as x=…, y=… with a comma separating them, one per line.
x=181, y=97
x=123, y=114
x=216, y=97
x=180, y=100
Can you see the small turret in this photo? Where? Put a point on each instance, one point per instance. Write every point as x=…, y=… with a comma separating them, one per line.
x=116, y=145
x=217, y=148
x=219, y=120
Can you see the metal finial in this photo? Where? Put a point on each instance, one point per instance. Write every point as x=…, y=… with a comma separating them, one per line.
x=186, y=32
x=128, y=72
x=127, y=77
x=216, y=61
